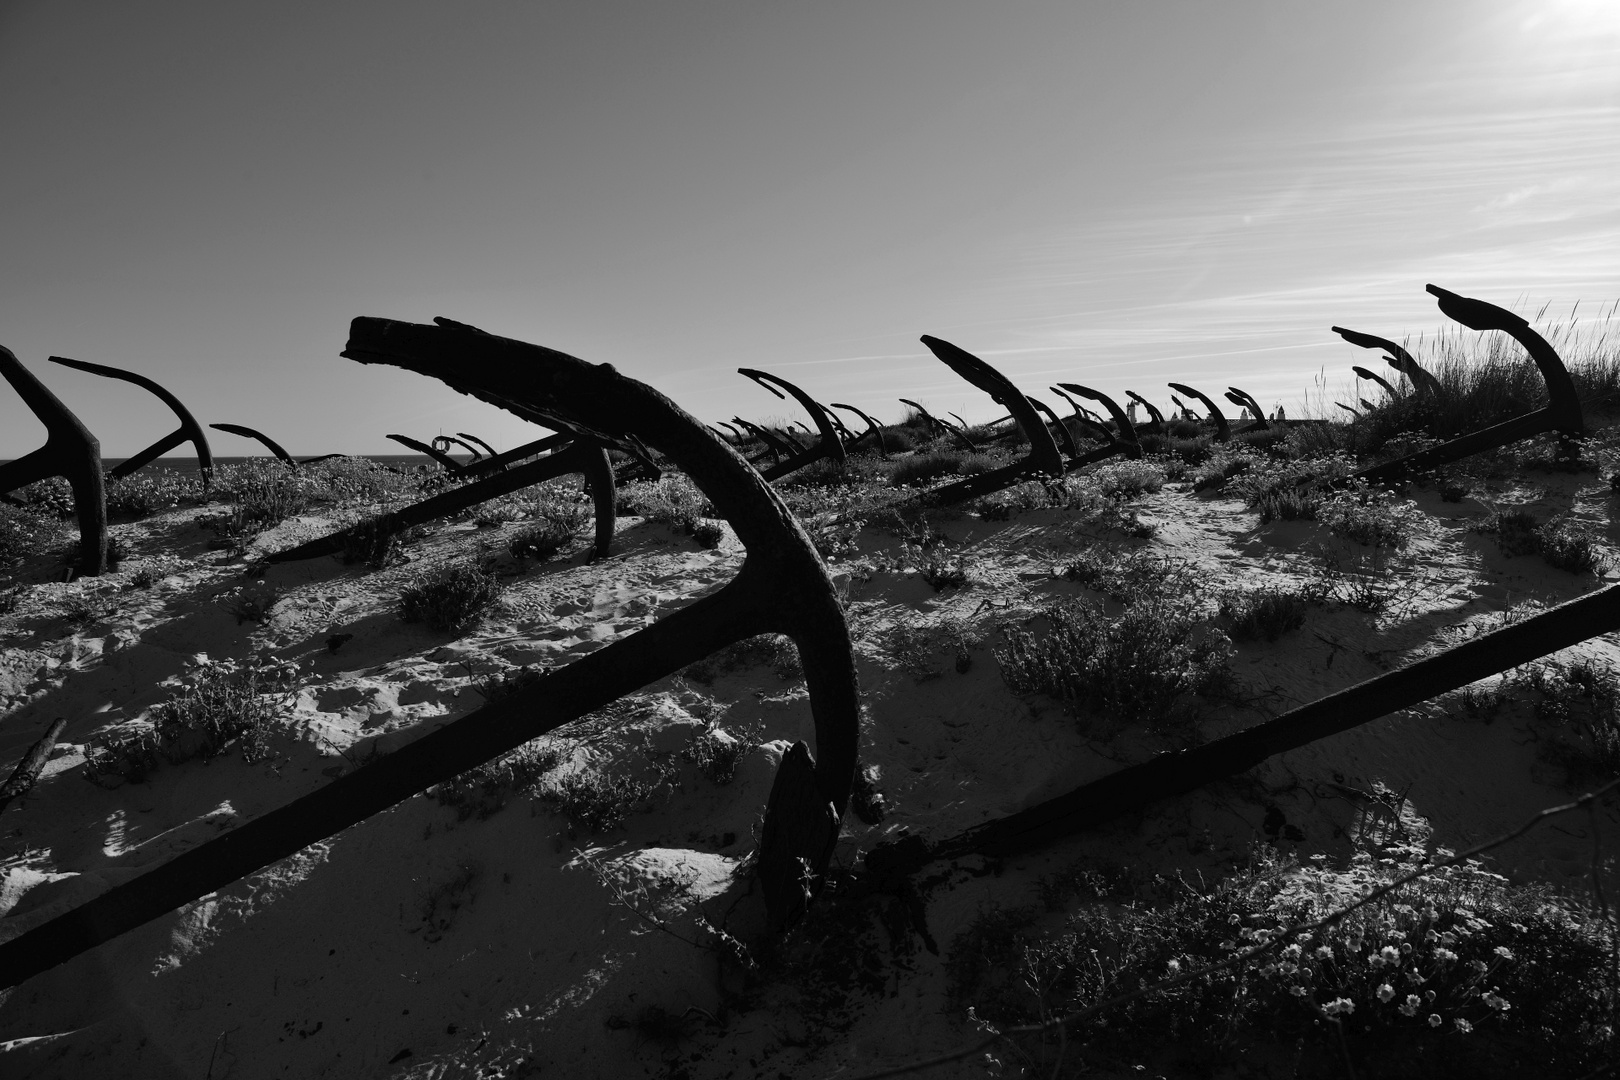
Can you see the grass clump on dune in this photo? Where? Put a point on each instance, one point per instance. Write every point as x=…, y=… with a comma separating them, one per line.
x=450, y=599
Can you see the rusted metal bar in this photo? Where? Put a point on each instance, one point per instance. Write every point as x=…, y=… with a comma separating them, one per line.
x=1155, y=424
x=1043, y=459
x=1173, y=774
x=1561, y=414
x=829, y=446
x=1186, y=413
x=872, y=428
x=961, y=423
x=188, y=429
x=1223, y=430
x=1348, y=409
x=1398, y=358
x=1086, y=418
x=776, y=446
x=448, y=442
x=71, y=452
x=1065, y=436
x=1365, y=404
x=1373, y=376
x=488, y=449
x=500, y=462
x=1127, y=444
x=26, y=774
x=782, y=587
x=269, y=443
x=586, y=457
x=940, y=426
x=1247, y=401
x=450, y=463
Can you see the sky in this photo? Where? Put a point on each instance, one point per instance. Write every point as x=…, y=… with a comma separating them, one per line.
x=1119, y=195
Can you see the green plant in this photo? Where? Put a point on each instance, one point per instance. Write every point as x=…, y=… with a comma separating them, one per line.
x=919, y=649
x=484, y=791
x=452, y=598
x=777, y=650
x=1577, y=706
x=1137, y=667
x=708, y=533
x=24, y=531
x=372, y=542
x=672, y=501
x=1371, y=516
x=144, y=578
x=1263, y=613
x=1127, y=479
x=1457, y=974
x=716, y=752
x=594, y=802
x=250, y=606
x=222, y=703
x=1559, y=541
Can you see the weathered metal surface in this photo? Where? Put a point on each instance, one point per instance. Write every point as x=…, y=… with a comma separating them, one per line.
x=1043, y=459
x=782, y=587
x=264, y=440
x=1086, y=418
x=488, y=449
x=451, y=464
x=1223, y=430
x=450, y=441
x=1065, y=436
x=1561, y=414
x=1399, y=359
x=873, y=428
x=1127, y=442
x=830, y=445
x=579, y=456
x=1246, y=400
x=1373, y=376
x=940, y=426
x=189, y=429
x=71, y=452
x=1155, y=423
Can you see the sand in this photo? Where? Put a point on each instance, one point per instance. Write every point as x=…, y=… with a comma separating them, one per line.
x=420, y=945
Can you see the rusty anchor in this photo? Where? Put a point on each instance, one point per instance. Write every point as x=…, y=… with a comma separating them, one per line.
x=1223, y=430
x=828, y=446
x=940, y=427
x=71, y=452
x=189, y=429
x=1043, y=459
x=782, y=587
x=1398, y=358
x=1561, y=414
x=873, y=428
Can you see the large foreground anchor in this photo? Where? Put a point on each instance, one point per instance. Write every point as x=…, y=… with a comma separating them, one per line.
x=188, y=429
x=1180, y=772
x=1562, y=413
x=71, y=452
x=782, y=587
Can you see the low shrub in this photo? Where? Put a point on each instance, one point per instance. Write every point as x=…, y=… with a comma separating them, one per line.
x=594, y=802
x=717, y=752
x=1127, y=479
x=221, y=703
x=776, y=650
x=451, y=599
x=1459, y=974
x=1577, y=706
x=1264, y=613
x=672, y=501
x=708, y=533
x=1372, y=516
x=149, y=492
x=252, y=605
x=1139, y=666
x=482, y=792
x=1560, y=542
x=372, y=542
x=25, y=531
x=926, y=467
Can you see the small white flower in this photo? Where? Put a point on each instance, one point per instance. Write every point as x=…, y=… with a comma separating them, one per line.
x=1463, y=1026
x=1444, y=955
x=1390, y=954
x=1339, y=1005
x=1324, y=952
x=1504, y=952
x=1174, y=966
x=1386, y=993
x=1297, y=991
x=1434, y=1019
x=1497, y=1002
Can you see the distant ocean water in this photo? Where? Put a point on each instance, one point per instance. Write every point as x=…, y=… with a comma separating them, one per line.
x=187, y=466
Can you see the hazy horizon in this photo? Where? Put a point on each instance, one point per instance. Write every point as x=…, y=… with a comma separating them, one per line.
x=1115, y=195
